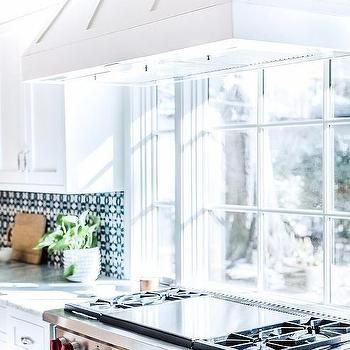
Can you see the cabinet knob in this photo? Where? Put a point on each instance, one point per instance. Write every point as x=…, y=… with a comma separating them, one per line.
x=62, y=340
x=27, y=341
x=19, y=161
x=26, y=160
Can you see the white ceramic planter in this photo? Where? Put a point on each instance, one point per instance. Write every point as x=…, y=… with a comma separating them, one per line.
x=5, y=254
x=87, y=264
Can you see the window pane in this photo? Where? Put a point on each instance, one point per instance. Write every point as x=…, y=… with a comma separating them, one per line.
x=341, y=263
x=294, y=255
x=232, y=158
x=341, y=86
x=166, y=166
x=293, y=167
x=342, y=167
x=166, y=107
x=294, y=92
x=233, y=99
x=166, y=242
x=233, y=248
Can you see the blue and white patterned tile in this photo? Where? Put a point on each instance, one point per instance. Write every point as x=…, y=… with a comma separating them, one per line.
x=108, y=206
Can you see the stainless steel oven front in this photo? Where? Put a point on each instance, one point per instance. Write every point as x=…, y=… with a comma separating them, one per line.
x=81, y=342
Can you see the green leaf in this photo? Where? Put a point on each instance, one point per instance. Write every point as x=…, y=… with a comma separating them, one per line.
x=70, y=220
x=83, y=217
x=59, y=220
x=69, y=271
x=71, y=232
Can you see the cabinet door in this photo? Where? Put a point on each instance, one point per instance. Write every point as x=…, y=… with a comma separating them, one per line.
x=94, y=137
x=3, y=324
x=27, y=331
x=27, y=335
x=44, y=154
x=12, y=126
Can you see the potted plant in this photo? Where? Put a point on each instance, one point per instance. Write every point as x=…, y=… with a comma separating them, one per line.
x=75, y=236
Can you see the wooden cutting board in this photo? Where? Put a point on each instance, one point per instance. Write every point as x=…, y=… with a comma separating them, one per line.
x=26, y=232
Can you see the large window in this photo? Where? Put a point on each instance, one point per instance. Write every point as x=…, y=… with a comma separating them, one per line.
x=251, y=183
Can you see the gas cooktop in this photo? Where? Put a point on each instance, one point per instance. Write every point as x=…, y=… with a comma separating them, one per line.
x=298, y=335
x=200, y=321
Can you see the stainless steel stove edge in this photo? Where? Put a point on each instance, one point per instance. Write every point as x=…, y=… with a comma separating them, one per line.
x=89, y=327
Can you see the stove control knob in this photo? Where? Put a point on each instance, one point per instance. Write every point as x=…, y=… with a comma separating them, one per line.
x=75, y=345
x=62, y=341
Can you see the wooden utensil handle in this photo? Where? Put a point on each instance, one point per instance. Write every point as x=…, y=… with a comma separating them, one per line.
x=9, y=233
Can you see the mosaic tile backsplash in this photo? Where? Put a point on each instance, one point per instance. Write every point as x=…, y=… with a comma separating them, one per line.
x=108, y=206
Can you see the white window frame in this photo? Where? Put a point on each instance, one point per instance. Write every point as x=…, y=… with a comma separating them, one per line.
x=191, y=203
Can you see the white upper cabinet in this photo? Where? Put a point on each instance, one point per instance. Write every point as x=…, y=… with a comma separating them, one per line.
x=56, y=137
x=94, y=136
x=29, y=116
x=71, y=140
x=31, y=124
x=12, y=124
x=44, y=153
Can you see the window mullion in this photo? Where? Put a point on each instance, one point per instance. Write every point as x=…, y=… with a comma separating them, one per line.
x=179, y=232
x=192, y=167
x=136, y=187
x=143, y=166
x=151, y=253
x=327, y=182
x=260, y=182
x=204, y=184
x=201, y=240
x=154, y=173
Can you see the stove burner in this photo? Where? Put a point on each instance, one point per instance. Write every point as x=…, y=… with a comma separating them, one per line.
x=139, y=299
x=179, y=294
x=315, y=334
x=128, y=301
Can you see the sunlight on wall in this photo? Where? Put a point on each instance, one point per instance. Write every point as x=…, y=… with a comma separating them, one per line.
x=97, y=167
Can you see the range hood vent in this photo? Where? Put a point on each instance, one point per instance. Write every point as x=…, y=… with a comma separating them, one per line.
x=85, y=34
x=214, y=63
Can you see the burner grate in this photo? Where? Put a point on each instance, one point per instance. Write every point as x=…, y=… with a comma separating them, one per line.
x=310, y=335
x=128, y=301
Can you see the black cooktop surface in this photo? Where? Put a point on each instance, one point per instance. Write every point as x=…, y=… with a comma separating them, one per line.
x=203, y=317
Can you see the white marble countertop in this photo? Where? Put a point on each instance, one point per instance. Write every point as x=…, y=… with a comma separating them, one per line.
x=39, y=288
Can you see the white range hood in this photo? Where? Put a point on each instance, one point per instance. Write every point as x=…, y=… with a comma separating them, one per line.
x=87, y=36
